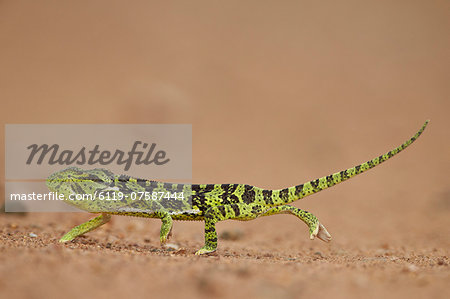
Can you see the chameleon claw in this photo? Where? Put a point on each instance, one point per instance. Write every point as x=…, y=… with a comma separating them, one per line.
x=320, y=232
x=163, y=239
x=204, y=251
x=314, y=233
x=66, y=238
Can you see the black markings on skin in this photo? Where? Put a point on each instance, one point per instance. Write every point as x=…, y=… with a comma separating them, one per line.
x=179, y=188
x=315, y=183
x=357, y=168
x=171, y=205
x=167, y=186
x=208, y=188
x=234, y=198
x=298, y=189
x=123, y=178
x=195, y=188
x=228, y=190
x=210, y=229
x=236, y=210
x=222, y=210
x=77, y=189
x=92, y=178
x=267, y=197
x=199, y=203
x=135, y=204
x=284, y=194
x=141, y=182
x=256, y=210
x=150, y=186
x=249, y=194
x=112, y=183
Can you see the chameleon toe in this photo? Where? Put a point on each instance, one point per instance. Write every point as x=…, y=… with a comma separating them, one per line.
x=323, y=234
x=204, y=251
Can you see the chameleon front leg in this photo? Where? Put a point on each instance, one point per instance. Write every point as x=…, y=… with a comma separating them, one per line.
x=166, y=226
x=85, y=227
x=316, y=229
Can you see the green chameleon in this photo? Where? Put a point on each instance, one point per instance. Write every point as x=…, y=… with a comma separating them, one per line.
x=210, y=203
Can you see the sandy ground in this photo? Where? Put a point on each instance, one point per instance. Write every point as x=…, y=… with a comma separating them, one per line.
x=277, y=95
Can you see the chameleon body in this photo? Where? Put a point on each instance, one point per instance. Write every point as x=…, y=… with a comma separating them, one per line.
x=210, y=203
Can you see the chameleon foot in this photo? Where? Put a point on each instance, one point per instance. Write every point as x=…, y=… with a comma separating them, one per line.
x=164, y=238
x=320, y=232
x=66, y=238
x=166, y=227
x=85, y=227
x=205, y=250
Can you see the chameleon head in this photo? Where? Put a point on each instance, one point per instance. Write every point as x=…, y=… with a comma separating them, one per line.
x=73, y=181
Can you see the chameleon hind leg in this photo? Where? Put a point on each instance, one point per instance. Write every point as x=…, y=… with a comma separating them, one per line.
x=85, y=227
x=219, y=213
x=238, y=211
x=249, y=212
x=316, y=229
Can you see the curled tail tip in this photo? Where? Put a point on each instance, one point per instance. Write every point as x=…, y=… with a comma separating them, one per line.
x=425, y=124
x=422, y=128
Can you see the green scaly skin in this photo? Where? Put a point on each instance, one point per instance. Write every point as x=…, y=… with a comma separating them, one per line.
x=210, y=203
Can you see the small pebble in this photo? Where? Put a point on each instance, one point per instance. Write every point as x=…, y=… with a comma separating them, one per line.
x=171, y=247
x=410, y=268
x=318, y=253
x=180, y=251
x=32, y=235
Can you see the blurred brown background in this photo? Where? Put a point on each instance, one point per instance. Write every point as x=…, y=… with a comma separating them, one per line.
x=278, y=93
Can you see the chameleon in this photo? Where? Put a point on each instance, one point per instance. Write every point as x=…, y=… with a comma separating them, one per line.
x=210, y=203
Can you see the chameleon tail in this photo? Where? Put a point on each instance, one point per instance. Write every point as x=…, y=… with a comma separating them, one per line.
x=291, y=194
